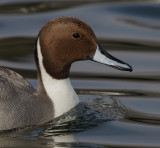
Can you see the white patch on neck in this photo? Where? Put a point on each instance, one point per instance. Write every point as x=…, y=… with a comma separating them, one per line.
x=60, y=92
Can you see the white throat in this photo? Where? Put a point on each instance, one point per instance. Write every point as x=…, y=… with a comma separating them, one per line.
x=60, y=92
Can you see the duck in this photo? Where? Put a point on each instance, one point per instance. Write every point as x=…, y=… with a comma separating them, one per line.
x=60, y=42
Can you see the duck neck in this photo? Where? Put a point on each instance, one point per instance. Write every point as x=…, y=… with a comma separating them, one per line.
x=60, y=91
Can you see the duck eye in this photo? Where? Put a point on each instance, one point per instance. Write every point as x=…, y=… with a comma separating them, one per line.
x=76, y=35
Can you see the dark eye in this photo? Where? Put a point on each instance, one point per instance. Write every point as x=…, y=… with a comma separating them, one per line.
x=76, y=35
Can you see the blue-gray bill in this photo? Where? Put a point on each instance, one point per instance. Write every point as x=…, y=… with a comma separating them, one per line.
x=102, y=56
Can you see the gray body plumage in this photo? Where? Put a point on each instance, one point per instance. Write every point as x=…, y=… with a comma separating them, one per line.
x=20, y=104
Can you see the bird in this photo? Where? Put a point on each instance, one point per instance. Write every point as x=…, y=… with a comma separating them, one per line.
x=60, y=42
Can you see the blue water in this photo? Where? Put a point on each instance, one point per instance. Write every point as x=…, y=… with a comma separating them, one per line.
x=119, y=109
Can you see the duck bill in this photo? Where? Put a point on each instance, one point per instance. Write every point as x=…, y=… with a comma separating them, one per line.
x=102, y=56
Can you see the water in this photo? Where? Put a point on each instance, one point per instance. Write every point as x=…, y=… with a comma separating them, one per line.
x=119, y=109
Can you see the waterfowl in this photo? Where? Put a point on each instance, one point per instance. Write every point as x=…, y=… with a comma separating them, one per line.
x=60, y=42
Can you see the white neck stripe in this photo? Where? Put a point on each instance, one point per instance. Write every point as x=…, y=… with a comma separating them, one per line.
x=60, y=92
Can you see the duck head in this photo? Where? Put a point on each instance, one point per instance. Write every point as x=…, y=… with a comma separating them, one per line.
x=65, y=40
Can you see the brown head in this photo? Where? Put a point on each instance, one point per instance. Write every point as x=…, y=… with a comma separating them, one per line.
x=65, y=40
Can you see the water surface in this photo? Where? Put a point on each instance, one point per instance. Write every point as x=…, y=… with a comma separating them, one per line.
x=119, y=109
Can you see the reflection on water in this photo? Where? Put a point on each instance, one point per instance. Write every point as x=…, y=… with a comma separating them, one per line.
x=117, y=109
x=12, y=49
x=36, y=7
